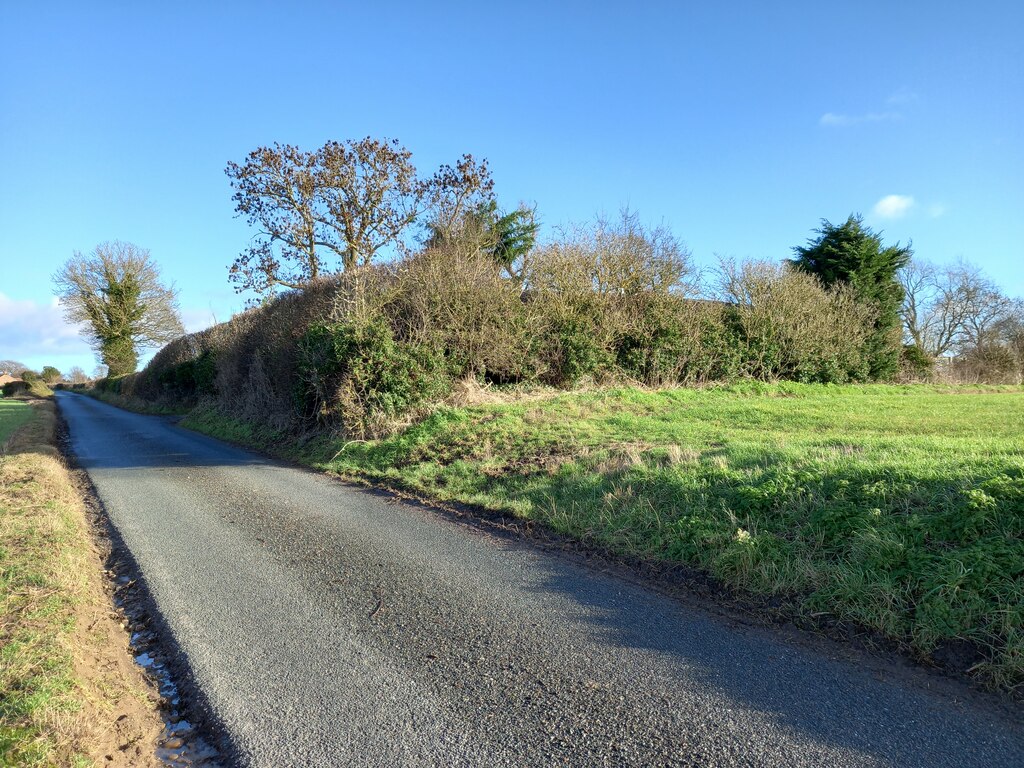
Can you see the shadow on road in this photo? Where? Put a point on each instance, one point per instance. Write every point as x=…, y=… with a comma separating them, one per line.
x=869, y=709
x=794, y=688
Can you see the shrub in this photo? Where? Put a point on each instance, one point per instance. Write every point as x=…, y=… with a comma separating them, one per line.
x=606, y=295
x=987, y=363
x=356, y=373
x=789, y=326
x=915, y=364
x=366, y=349
x=668, y=339
x=12, y=388
x=456, y=299
x=611, y=258
x=180, y=373
x=192, y=378
x=118, y=385
x=571, y=348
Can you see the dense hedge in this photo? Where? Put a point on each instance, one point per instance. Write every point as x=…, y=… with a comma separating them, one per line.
x=364, y=351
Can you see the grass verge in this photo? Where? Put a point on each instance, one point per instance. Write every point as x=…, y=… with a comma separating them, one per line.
x=70, y=693
x=899, y=510
x=13, y=414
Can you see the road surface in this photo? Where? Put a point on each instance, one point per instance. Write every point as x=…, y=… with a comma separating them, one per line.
x=330, y=626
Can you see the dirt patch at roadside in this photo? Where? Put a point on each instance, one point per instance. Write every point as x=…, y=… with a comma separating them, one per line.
x=120, y=702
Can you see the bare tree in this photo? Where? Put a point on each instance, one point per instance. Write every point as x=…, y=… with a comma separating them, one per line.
x=77, y=375
x=986, y=308
x=334, y=209
x=456, y=194
x=951, y=308
x=933, y=306
x=1011, y=330
x=12, y=367
x=116, y=291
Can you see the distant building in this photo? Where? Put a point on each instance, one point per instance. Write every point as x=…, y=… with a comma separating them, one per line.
x=11, y=385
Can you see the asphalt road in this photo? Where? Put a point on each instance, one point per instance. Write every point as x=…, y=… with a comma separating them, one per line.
x=330, y=626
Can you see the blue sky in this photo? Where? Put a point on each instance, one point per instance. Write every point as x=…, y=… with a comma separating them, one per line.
x=739, y=125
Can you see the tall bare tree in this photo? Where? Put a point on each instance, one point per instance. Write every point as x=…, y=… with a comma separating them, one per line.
x=117, y=293
x=334, y=209
x=948, y=309
x=77, y=375
x=986, y=309
x=12, y=367
x=933, y=309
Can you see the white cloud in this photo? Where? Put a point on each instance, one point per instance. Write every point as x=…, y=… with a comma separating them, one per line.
x=894, y=206
x=935, y=210
x=830, y=118
x=198, y=319
x=37, y=334
x=837, y=120
x=902, y=97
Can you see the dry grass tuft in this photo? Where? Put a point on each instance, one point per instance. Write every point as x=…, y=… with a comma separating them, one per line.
x=718, y=461
x=622, y=459
x=840, y=452
x=676, y=455
x=468, y=391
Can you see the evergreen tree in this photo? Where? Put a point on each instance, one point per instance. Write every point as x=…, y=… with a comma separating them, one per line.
x=505, y=237
x=514, y=235
x=852, y=253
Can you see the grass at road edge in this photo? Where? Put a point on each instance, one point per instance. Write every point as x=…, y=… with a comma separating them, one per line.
x=70, y=693
x=899, y=510
x=13, y=414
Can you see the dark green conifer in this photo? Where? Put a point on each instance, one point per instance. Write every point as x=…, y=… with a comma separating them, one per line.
x=854, y=254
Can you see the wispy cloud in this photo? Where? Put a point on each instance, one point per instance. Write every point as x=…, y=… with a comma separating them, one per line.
x=838, y=120
x=893, y=206
x=30, y=329
x=903, y=97
x=898, y=100
x=936, y=210
x=195, y=318
x=35, y=333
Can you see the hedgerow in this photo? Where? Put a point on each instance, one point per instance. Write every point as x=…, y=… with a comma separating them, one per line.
x=366, y=351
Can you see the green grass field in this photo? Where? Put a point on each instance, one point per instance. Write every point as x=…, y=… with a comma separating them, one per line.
x=13, y=413
x=897, y=509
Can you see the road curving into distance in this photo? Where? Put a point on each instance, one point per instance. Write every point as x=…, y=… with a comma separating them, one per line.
x=330, y=626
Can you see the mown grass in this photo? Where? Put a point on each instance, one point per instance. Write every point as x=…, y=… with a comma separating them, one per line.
x=13, y=413
x=896, y=509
